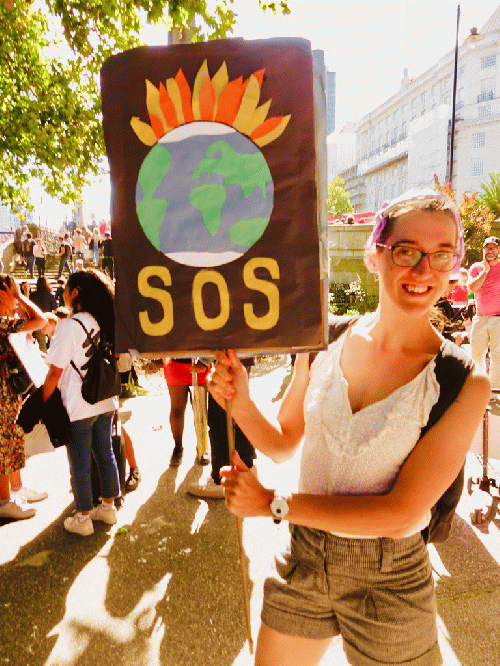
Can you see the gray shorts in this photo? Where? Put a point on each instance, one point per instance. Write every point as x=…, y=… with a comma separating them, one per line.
x=377, y=593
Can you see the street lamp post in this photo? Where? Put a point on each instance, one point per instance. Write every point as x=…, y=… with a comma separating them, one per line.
x=454, y=103
x=472, y=39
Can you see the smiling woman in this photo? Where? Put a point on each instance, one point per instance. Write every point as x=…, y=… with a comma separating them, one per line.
x=361, y=518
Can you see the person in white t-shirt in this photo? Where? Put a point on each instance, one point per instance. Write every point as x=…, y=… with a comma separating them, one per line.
x=89, y=296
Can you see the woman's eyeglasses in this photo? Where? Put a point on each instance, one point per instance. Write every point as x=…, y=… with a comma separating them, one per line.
x=409, y=257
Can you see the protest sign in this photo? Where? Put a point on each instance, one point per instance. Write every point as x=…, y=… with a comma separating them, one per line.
x=213, y=153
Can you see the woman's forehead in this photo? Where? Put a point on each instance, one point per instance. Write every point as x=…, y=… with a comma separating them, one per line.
x=431, y=226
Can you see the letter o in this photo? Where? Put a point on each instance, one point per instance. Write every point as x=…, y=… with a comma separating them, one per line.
x=204, y=322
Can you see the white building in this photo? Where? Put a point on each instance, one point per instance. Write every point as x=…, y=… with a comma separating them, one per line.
x=341, y=150
x=405, y=142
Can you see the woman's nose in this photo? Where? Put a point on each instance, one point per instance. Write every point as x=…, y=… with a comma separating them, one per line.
x=423, y=265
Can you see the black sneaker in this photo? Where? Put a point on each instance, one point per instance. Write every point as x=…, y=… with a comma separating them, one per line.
x=133, y=479
x=176, y=458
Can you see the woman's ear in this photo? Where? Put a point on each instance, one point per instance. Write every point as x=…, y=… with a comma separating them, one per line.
x=370, y=259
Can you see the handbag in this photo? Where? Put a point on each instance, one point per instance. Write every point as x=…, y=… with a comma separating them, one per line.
x=19, y=380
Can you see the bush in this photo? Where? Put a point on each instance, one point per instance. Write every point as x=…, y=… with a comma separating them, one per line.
x=350, y=299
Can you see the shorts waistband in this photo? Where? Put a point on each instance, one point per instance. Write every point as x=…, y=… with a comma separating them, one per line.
x=380, y=554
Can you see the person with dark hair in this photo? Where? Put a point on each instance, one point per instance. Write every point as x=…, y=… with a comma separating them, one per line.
x=357, y=565
x=39, y=251
x=46, y=301
x=89, y=296
x=29, y=257
x=107, y=255
x=12, y=435
x=64, y=255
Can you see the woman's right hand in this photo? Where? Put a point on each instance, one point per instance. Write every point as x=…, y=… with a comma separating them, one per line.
x=229, y=380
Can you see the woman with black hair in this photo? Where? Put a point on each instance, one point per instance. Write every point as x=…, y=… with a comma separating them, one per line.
x=89, y=296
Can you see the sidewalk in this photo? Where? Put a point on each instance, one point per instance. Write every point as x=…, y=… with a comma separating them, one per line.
x=163, y=586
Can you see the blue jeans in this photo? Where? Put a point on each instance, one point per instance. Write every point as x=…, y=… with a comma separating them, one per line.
x=30, y=263
x=95, y=254
x=63, y=264
x=92, y=437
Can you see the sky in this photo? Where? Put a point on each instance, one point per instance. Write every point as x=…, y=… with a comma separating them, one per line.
x=368, y=43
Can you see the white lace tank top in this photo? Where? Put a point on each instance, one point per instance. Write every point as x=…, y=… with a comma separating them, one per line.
x=362, y=453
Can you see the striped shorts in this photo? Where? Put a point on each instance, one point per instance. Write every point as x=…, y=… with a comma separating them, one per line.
x=377, y=593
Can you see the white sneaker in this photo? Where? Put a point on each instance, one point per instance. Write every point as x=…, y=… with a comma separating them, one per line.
x=209, y=490
x=29, y=495
x=82, y=527
x=105, y=515
x=16, y=509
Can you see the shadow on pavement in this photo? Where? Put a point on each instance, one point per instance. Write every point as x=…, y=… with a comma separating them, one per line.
x=468, y=595
x=173, y=594
x=33, y=590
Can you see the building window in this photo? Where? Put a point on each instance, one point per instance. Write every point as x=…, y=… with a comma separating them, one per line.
x=488, y=61
x=476, y=167
x=478, y=140
x=487, y=86
x=484, y=112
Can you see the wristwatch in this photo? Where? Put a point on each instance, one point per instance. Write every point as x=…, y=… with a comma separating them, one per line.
x=279, y=508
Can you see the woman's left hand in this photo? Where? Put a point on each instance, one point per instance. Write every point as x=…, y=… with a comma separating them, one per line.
x=245, y=495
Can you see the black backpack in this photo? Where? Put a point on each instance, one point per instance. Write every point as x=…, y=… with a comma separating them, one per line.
x=453, y=366
x=102, y=379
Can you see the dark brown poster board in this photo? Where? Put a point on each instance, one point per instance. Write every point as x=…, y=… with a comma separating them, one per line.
x=212, y=154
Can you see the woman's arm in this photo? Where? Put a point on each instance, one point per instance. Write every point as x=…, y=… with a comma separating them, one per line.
x=50, y=382
x=229, y=381
x=427, y=473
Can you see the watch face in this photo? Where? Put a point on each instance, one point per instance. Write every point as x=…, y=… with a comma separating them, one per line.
x=279, y=508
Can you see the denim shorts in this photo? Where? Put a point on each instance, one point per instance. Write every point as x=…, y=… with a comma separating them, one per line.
x=377, y=593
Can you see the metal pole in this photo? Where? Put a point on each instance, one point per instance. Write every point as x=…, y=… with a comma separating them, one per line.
x=454, y=101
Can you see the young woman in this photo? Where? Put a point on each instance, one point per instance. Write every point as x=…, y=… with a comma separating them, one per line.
x=12, y=504
x=358, y=564
x=89, y=296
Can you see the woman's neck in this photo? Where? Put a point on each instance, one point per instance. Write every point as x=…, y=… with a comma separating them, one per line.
x=400, y=330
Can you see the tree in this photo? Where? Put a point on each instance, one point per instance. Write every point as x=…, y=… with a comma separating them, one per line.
x=338, y=198
x=476, y=221
x=490, y=194
x=50, y=59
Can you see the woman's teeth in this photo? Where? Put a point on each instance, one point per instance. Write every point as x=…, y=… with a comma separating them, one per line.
x=416, y=290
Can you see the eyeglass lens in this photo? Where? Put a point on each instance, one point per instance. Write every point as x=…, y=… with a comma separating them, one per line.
x=408, y=256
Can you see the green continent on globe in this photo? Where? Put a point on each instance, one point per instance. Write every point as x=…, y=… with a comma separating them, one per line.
x=151, y=211
x=209, y=199
x=248, y=232
x=249, y=171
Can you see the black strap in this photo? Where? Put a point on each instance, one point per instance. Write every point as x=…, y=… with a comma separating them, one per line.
x=91, y=342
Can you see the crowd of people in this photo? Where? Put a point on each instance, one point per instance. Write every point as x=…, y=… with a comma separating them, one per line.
x=84, y=247
x=357, y=563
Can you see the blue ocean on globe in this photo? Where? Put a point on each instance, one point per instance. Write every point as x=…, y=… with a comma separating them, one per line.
x=204, y=197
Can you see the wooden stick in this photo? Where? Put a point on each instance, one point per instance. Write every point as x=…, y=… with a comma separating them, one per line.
x=239, y=526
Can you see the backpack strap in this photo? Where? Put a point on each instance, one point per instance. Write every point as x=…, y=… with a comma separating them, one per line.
x=91, y=341
x=453, y=366
x=336, y=326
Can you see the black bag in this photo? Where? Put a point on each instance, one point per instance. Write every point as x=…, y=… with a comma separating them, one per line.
x=453, y=366
x=102, y=379
x=52, y=413
x=19, y=380
x=91, y=244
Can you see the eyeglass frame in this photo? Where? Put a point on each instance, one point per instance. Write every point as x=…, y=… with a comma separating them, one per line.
x=456, y=255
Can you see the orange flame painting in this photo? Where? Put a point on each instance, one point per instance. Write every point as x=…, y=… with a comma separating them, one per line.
x=233, y=103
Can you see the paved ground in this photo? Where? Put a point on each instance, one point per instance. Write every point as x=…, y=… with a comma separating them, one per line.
x=163, y=586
